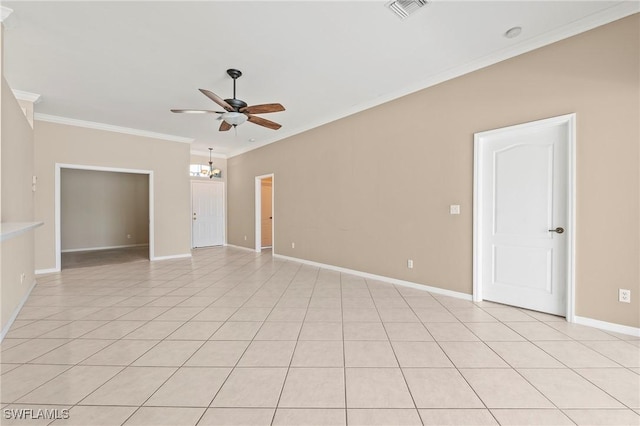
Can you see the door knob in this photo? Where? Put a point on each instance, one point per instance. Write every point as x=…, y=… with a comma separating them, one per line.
x=558, y=230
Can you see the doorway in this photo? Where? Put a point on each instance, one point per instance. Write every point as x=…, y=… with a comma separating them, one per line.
x=116, y=239
x=208, y=220
x=524, y=216
x=264, y=187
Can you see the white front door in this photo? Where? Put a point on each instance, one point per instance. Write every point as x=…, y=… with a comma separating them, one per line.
x=522, y=214
x=207, y=200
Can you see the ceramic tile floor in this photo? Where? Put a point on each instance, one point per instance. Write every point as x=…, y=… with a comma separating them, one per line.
x=81, y=259
x=235, y=337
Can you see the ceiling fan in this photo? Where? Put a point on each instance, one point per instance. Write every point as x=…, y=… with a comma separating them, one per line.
x=236, y=111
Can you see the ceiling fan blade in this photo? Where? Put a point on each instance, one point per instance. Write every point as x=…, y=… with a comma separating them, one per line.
x=262, y=122
x=196, y=111
x=262, y=109
x=217, y=99
x=224, y=126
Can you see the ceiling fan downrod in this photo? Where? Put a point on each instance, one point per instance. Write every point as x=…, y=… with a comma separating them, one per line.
x=234, y=74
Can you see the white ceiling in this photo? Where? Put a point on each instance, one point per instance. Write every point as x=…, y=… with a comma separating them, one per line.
x=127, y=63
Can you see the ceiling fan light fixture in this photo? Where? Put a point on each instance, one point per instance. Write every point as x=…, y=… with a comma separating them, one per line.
x=234, y=118
x=237, y=110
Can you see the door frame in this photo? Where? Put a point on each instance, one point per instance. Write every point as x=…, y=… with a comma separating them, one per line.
x=258, y=212
x=479, y=199
x=224, y=207
x=58, y=227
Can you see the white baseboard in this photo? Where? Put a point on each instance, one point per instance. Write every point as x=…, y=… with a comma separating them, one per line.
x=9, y=323
x=240, y=247
x=46, y=271
x=103, y=248
x=603, y=325
x=395, y=281
x=174, y=256
x=608, y=326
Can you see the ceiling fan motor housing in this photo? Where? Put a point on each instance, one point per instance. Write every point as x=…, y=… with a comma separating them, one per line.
x=236, y=103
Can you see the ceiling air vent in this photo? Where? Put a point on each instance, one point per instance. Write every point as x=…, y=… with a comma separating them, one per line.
x=404, y=8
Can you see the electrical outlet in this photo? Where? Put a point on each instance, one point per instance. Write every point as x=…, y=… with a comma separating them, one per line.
x=245, y=238
x=454, y=209
x=624, y=295
x=23, y=276
x=410, y=263
x=293, y=245
x=128, y=236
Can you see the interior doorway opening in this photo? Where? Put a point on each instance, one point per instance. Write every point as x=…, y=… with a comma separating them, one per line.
x=103, y=215
x=264, y=207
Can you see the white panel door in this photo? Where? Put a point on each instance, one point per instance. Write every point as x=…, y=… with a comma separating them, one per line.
x=523, y=215
x=207, y=199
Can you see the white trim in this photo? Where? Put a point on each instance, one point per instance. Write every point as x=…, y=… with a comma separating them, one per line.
x=258, y=212
x=4, y=14
x=173, y=256
x=46, y=271
x=607, y=326
x=56, y=220
x=103, y=248
x=10, y=230
x=103, y=168
x=569, y=119
x=152, y=212
x=21, y=95
x=109, y=128
x=240, y=248
x=571, y=220
x=191, y=215
x=436, y=290
x=206, y=154
x=9, y=323
x=58, y=235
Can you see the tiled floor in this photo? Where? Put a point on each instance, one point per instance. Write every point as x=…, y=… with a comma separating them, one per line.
x=234, y=337
x=82, y=259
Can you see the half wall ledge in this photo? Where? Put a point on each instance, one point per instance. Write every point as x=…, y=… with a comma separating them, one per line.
x=10, y=230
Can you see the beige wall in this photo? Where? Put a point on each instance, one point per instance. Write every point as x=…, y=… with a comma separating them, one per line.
x=16, y=254
x=169, y=161
x=17, y=161
x=17, y=259
x=370, y=191
x=103, y=209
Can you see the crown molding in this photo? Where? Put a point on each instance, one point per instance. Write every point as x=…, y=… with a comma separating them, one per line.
x=206, y=154
x=109, y=128
x=21, y=95
x=603, y=17
x=4, y=13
